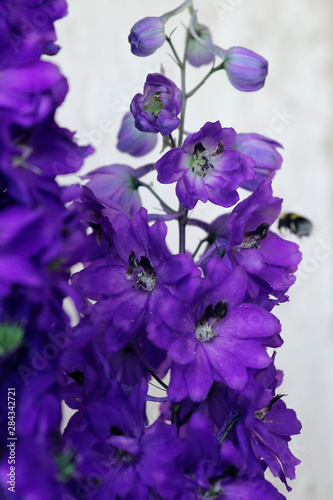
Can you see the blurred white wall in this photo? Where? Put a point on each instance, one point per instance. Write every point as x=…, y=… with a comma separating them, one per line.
x=295, y=108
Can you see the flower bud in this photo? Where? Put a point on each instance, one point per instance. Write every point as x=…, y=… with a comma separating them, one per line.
x=197, y=53
x=264, y=152
x=246, y=70
x=133, y=141
x=146, y=36
x=157, y=108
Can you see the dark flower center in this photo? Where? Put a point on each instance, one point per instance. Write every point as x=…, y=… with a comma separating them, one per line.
x=78, y=376
x=251, y=239
x=124, y=456
x=201, y=158
x=142, y=273
x=261, y=414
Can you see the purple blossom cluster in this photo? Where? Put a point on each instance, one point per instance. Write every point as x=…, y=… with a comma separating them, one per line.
x=41, y=238
x=199, y=325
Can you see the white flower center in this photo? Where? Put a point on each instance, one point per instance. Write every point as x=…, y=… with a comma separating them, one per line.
x=205, y=333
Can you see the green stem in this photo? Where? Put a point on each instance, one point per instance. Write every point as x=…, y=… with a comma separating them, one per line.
x=183, y=89
x=200, y=84
x=163, y=204
x=228, y=428
x=198, y=247
x=179, y=62
x=182, y=221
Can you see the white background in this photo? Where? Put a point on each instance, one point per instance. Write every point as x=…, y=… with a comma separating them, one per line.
x=295, y=38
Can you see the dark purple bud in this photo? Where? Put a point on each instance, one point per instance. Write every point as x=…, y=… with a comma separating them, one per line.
x=246, y=70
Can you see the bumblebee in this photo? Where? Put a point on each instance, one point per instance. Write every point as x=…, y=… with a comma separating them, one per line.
x=296, y=224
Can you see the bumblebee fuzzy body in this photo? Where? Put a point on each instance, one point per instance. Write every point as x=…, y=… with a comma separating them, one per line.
x=296, y=224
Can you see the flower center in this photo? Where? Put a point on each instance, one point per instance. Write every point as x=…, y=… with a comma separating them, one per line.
x=251, y=239
x=124, y=456
x=20, y=160
x=142, y=273
x=153, y=104
x=205, y=333
x=200, y=162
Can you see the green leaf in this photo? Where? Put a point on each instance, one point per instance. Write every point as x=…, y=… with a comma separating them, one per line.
x=10, y=337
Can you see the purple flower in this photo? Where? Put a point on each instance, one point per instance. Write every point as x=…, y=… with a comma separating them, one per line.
x=244, y=235
x=245, y=69
x=47, y=149
x=215, y=337
x=206, y=168
x=115, y=446
x=41, y=462
x=132, y=141
x=157, y=108
x=27, y=30
x=264, y=425
x=197, y=53
x=146, y=36
x=31, y=93
x=117, y=185
x=264, y=153
x=138, y=275
x=215, y=471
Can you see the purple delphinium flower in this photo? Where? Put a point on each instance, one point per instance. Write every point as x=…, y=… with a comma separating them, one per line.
x=114, y=445
x=139, y=274
x=27, y=30
x=264, y=152
x=45, y=149
x=216, y=337
x=244, y=235
x=264, y=424
x=157, y=108
x=35, y=90
x=206, y=168
x=118, y=185
x=133, y=141
x=218, y=471
x=32, y=458
x=246, y=70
